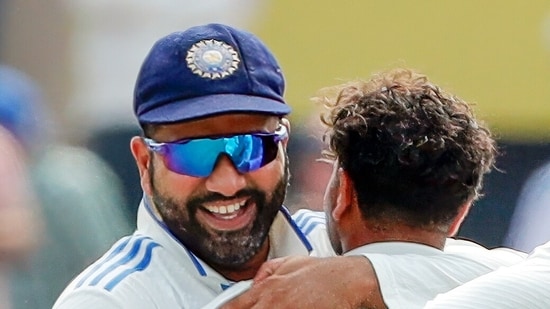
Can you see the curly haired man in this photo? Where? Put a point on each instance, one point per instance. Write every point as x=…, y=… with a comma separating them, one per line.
x=408, y=162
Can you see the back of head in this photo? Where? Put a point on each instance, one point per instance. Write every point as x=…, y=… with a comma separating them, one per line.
x=205, y=71
x=413, y=151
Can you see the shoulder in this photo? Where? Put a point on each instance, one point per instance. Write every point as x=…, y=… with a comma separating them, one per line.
x=119, y=272
x=312, y=224
x=461, y=261
x=308, y=220
x=524, y=285
x=492, y=258
x=88, y=298
x=137, y=272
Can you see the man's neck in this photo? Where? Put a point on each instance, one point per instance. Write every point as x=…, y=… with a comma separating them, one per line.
x=395, y=232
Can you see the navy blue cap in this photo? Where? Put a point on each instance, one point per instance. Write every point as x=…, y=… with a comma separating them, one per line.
x=208, y=70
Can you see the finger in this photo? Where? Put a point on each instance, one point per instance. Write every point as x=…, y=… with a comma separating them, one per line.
x=268, y=268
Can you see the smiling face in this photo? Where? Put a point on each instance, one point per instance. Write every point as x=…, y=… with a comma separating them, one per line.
x=223, y=218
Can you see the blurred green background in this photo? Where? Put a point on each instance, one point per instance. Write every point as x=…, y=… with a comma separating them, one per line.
x=493, y=53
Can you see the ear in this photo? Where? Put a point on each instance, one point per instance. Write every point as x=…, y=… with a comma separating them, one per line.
x=346, y=195
x=285, y=122
x=142, y=156
x=462, y=213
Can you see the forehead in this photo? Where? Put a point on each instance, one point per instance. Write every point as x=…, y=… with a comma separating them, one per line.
x=216, y=125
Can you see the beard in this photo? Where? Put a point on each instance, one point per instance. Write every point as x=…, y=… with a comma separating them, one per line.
x=225, y=249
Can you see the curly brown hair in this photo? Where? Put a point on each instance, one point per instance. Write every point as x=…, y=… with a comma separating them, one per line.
x=413, y=151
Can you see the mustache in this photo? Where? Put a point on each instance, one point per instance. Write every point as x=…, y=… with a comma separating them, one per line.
x=216, y=197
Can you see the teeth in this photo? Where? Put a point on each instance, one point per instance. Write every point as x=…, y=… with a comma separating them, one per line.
x=229, y=209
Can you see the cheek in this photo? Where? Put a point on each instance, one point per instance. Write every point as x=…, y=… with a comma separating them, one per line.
x=267, y=177
x=173, y=184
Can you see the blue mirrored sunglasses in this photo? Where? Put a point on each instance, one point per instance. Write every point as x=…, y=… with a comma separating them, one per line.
x=197, y=157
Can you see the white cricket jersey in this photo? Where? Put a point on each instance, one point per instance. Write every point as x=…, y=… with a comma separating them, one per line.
x=411, y=274
x=152, y=269
x=524, y=285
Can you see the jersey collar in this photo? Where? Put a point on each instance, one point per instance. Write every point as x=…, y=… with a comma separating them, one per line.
x=285, y=239
x=395, y=248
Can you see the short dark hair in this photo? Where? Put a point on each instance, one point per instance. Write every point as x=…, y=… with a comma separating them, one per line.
x=411, y=149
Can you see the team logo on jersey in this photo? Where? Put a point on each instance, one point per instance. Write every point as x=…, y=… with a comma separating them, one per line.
x=212, y=59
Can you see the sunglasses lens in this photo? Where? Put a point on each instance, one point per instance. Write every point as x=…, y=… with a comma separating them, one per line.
x=195, y=158
x=198, y=157
x=250, y=153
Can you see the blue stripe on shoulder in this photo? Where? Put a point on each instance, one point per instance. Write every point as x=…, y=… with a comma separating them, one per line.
x=305, y=218
x=124, y=257
x=139, y=267
x=312, y=227
x=114, y=252
x=309, y=221
x=123, y=260
x=299, y=218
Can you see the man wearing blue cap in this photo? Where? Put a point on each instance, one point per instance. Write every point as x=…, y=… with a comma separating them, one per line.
x=214, y=173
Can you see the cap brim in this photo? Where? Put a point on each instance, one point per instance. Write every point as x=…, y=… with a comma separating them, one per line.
x=200, y=107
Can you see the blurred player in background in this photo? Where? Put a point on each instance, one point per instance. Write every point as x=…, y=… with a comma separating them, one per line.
x=78, y=197
x=19, y=223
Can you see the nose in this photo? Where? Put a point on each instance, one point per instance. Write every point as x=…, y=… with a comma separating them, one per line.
x=225, y=179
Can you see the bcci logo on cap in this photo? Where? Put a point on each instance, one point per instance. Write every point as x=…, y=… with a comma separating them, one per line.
x=212, y=59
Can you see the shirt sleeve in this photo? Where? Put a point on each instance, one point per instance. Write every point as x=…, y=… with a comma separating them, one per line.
x=411, y=280
x=94, y=297
x=88, y=299
x=524, y=285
